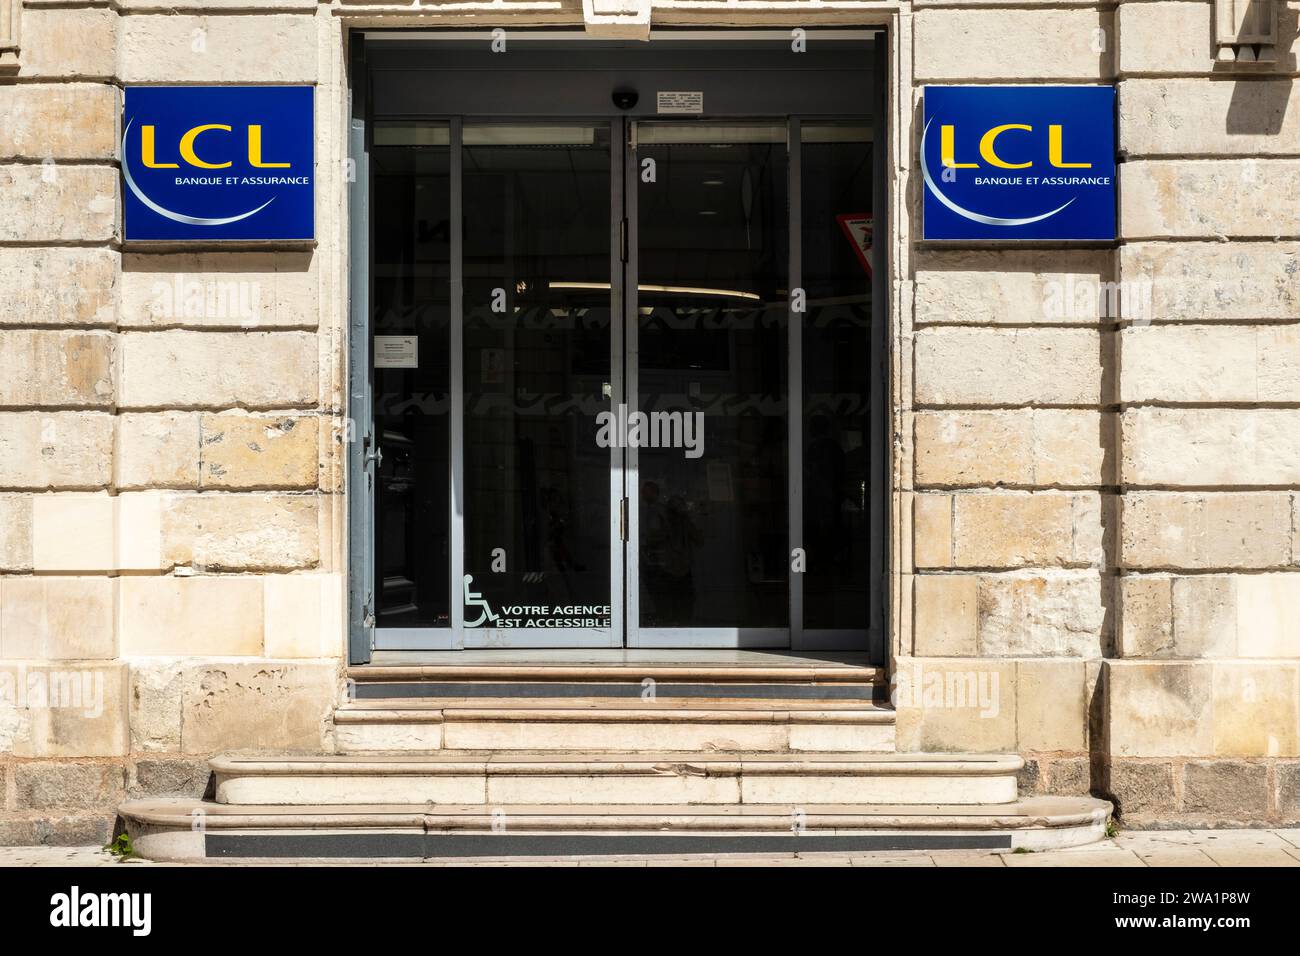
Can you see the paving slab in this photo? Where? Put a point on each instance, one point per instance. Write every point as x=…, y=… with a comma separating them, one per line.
x=894, y=859
x=1175, y=856
x=1068, y=859
x=1291, y=836
x=966, y=858
x=1239, y=839
x=1251, y=856
x=1155, y=839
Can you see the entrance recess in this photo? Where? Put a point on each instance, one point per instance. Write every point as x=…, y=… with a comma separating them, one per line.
x=635, y=398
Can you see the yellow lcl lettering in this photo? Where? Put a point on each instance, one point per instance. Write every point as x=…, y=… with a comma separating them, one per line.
x=187, y=147
x=948, y=150
x=255, y=150
x=986, y=146
x=1054, y=151
x=147, y=150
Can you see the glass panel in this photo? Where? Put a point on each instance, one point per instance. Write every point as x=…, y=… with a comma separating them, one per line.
x=411, y=270
x=713, y=247
x=836, y=231
x=537, y=366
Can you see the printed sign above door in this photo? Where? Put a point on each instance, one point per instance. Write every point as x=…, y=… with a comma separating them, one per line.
x=218, y=163
x=1019, y=162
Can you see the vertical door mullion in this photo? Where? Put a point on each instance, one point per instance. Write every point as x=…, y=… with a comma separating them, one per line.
x=794, y=389
x=631, y=386
x=881, y=423
x=456, y=390
x=617, y=475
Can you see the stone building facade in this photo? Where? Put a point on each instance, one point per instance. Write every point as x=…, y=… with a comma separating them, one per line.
x=1095, y=473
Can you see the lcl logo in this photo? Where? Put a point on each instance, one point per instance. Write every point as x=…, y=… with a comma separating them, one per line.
x=1019, y=162
x=218, y=163
x=988, y=148
x=187, y=148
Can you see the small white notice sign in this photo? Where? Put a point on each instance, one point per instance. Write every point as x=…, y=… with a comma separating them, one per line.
x=397, y=351
x=680, y=101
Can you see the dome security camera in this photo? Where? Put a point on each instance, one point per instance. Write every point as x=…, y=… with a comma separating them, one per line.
x=625, y=99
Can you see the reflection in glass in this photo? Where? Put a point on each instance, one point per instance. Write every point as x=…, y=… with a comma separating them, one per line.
x=837, y=215
x=536, y=353
x=713, y=255
x=411, y=273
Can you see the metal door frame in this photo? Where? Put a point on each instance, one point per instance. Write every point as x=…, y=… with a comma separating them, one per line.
x=698, y=637
x=360, y=475
x=457, y=635
x=794, y=636
x=490, y=637
x=623, y=369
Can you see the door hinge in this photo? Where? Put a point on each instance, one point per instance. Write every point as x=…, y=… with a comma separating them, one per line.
x=622, y=241
x=367, y=617
x=622, y=519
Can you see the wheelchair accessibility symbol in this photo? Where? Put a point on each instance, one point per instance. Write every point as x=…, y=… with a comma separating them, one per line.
x=474, y=599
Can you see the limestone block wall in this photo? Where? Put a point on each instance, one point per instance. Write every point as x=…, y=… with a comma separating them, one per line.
x=1201, y=698
x=170, y=458
x=1097, y=451
x=1100, y=485
x=172, y=535
x=1007, y=501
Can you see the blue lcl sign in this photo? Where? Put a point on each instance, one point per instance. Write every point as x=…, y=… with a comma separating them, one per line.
x=1019, y=162
x=212, y=163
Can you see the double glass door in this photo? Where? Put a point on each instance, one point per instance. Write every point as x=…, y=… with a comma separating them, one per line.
x=628, y=402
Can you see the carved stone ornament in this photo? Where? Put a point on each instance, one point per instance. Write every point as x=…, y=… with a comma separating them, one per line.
x=11, y=16
x=1245, y=34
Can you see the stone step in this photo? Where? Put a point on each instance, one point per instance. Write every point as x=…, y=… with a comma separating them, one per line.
x=537, y=777
x=632, y=680
x=812, y=672
x=177, y=829
x=613, y=724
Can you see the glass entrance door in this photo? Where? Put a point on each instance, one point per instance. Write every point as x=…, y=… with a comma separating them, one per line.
x=749, y=323
x=537, y=372
x=711, y=553
x=494, y=348
x=622, y=383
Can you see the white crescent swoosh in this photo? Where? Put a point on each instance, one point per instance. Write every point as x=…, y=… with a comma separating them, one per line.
x=968, y=213
x=177, y=216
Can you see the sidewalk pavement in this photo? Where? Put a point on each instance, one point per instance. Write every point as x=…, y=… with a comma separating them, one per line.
x=1129, y=848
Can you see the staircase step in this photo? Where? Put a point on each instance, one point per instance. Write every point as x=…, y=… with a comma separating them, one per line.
x=177, y=829
x=613, y=724
x=826, y=673
x=538, y=777
x=628, y=680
